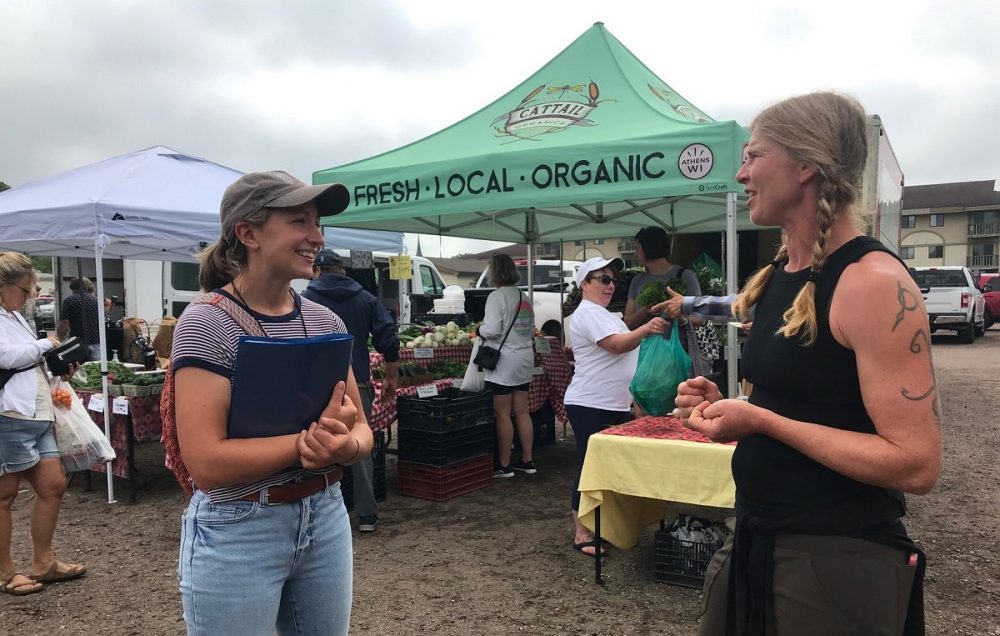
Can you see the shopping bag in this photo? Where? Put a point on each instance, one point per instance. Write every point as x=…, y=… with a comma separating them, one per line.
x=663, y=365
x=486, y=357
x=81, y=444
x=474, y=379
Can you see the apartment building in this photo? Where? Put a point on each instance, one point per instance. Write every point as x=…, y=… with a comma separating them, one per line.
x=951, y=224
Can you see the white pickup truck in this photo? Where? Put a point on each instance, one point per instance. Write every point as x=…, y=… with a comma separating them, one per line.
x=547, y=279
x=953, y=300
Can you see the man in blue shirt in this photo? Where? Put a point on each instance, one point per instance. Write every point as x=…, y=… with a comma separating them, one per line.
x=363, y=314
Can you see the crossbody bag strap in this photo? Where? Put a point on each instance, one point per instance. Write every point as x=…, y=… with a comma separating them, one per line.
x=512, y=320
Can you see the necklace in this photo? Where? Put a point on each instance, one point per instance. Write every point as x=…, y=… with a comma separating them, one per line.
x=253, y=314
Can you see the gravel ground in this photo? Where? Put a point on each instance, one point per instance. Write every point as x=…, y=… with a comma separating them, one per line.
x=499, y=560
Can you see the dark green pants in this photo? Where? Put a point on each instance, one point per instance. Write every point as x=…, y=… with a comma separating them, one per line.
x=823, y=586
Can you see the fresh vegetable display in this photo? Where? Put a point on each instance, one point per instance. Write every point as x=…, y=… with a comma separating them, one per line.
x=62, y=398
x=448, y=369
x=89, y=375
x=449, y=335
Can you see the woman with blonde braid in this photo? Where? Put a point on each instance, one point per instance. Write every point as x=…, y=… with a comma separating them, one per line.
x=844, y=415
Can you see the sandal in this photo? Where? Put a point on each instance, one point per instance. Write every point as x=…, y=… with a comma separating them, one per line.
x=26, y=586
x=54, y=574
x=592, y=543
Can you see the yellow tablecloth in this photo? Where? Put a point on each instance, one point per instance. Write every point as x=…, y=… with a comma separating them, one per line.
x=634, y=479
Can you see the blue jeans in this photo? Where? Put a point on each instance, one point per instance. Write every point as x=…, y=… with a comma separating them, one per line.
x=247, y=568
x=24, y=443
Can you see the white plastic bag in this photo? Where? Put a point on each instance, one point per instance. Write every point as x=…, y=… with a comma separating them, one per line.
x=81, y=443
x=474, y=379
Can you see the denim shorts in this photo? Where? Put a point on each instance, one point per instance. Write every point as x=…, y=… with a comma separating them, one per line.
x=23, y=443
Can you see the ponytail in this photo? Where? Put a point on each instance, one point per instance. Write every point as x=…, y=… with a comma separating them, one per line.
x=220, y=263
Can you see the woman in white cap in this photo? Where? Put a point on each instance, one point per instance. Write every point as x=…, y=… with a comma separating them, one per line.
x=265, y=541
x=606, y=359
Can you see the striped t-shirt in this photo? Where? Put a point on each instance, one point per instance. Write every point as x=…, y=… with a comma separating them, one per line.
x=207, y=337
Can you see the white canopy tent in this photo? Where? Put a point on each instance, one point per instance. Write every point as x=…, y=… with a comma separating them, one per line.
x=154, y=204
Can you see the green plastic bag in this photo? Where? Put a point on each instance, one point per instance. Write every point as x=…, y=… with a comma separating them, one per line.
x=663, y=365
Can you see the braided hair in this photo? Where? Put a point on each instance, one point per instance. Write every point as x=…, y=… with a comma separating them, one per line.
x=828, y=132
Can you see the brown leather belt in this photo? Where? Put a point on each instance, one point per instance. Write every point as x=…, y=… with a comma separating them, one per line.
x=286, y=493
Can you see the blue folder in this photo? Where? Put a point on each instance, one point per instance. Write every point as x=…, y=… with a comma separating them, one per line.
x=281, y=385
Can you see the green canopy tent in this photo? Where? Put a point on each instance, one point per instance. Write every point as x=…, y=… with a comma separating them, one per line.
x=593, y=145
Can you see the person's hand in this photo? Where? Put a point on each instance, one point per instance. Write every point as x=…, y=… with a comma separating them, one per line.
x=73, y=368
x=389, y=386
x=746, y=326
x=325, y=442
x=724, y=420
x=655, y=326
x=55, y=341
x=691, y=393
x=671, y=306
x=341, y=407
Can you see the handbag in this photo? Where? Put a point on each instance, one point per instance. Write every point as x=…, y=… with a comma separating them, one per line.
x=70, y=351
x=708, y=342
x=487, y=357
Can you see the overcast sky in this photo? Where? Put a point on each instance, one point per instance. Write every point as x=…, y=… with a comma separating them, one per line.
x=308, y=85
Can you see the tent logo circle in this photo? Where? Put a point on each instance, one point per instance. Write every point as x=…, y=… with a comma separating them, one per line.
x=696, y=161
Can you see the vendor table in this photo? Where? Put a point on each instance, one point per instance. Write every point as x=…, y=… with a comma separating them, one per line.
x=142, y=424
x=549, y=385
x=632, y=471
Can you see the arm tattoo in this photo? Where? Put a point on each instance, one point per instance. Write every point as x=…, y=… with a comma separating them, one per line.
x=918, y=343
x=907, y=302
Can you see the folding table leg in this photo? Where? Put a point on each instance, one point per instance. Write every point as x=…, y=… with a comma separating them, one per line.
x=597, y=547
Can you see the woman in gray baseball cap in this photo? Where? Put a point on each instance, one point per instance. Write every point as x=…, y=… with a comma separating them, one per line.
x=265, y=541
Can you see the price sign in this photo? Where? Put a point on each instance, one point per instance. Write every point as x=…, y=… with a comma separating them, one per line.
x=399, y=267
x=538, y=371
x=542, y=346
x=427, y=390
x=361, y=259
x=119, y=405
x=424, y=353
x=96, y=402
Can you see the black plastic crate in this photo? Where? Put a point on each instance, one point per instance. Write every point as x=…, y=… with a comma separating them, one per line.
x=681, y=562
x=544, y=423
x=378, y=474
x=450, y=410
x=449, y=447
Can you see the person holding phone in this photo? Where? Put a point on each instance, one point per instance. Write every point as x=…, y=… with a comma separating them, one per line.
x=265, y=541
x=27, y=446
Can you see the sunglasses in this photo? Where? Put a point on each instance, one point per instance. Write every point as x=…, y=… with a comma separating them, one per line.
x=27, y=292
x=604, y=278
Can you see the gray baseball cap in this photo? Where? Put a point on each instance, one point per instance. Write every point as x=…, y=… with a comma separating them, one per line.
x=277, y=189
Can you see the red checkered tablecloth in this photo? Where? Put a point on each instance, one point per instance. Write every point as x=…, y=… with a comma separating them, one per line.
x=551, y=385
x=144, y=413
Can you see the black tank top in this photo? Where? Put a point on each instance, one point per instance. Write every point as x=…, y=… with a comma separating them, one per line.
x=819, y=384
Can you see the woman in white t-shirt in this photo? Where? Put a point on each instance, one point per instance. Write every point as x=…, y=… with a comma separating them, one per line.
x=606, y=358
x=509, y=325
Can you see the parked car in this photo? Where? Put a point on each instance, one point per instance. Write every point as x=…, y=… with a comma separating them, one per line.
x=990, y=284
x=45, y=314
x=953, y=300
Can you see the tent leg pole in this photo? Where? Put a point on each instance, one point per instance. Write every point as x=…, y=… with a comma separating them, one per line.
x=99, y=265
x=732, y=335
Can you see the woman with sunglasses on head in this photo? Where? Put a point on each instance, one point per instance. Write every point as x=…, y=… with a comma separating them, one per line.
x=27, y=445
x=265, y=541
x=844, y=416
x=606, y=357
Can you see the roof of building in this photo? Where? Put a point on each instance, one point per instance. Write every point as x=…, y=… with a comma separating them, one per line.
x=965, y=194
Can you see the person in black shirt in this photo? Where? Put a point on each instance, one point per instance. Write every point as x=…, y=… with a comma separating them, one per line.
x=79, y=317
x=844, y=415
